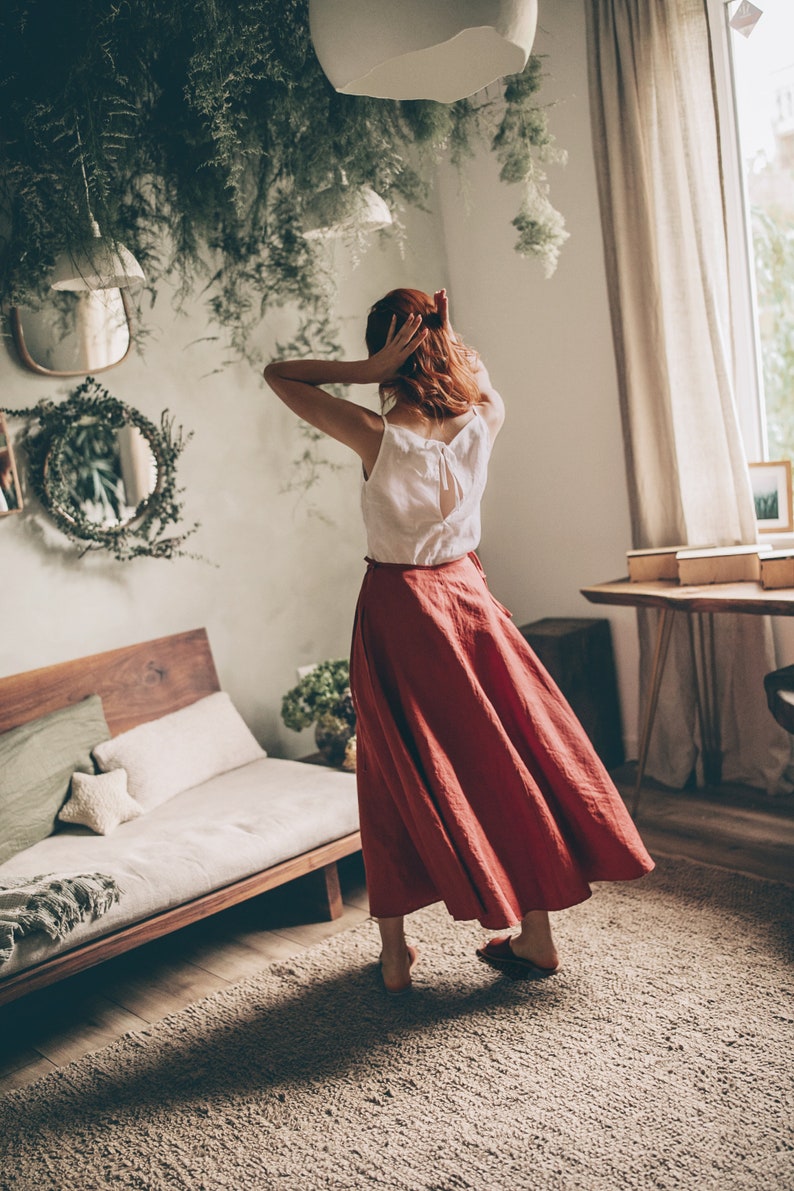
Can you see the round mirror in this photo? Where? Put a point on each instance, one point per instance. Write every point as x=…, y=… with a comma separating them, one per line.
x=73, y=333
x=105, y=474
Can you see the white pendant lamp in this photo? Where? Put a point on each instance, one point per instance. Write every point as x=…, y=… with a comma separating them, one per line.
x=104, y=266
x=421, y=49
x=333, y=212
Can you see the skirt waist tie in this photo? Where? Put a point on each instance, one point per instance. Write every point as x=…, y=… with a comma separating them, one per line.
x=372, y=563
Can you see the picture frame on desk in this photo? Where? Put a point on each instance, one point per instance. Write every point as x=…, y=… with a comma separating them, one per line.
x=771, y=485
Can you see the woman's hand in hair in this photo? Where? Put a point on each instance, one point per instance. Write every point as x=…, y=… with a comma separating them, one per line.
x=442, y=310
x=400, y=344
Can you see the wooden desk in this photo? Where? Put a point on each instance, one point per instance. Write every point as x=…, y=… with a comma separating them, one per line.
x=700, y=604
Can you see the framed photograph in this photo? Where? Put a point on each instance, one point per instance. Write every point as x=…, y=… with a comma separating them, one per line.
x=10, y=495
x=771, y=484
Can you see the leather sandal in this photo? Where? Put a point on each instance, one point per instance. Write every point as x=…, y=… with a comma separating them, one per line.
x=498, y=953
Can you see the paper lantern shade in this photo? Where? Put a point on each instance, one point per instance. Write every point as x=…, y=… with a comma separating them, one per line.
x=421, y=49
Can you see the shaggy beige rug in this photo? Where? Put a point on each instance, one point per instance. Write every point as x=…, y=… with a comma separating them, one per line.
x=659, y=1058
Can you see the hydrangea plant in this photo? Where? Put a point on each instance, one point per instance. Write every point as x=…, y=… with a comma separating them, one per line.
x=322, y=697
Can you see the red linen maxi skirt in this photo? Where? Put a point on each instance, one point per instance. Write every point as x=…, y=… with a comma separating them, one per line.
x=477, y=785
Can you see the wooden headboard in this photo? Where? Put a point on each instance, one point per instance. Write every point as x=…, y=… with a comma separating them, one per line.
x=136, y=684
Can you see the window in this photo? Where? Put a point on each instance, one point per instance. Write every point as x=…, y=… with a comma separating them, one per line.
x=754, y=65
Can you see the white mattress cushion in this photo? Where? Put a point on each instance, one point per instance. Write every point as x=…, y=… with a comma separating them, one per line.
x=212, y=835
x=180, y=750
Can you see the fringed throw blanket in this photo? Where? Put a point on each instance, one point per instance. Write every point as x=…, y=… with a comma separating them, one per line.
x=51, y=903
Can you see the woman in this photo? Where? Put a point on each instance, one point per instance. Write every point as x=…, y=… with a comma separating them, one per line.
x=477, y=785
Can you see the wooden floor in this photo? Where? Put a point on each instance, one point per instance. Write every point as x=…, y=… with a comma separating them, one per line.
x=733, y=828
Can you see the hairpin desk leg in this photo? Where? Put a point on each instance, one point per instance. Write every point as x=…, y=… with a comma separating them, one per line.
x=663, y=632
x=705, y=665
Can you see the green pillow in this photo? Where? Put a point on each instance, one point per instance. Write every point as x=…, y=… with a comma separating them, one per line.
x=37, y=761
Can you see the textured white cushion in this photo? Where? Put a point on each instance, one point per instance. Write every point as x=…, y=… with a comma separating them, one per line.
x=100, y=801
x=180, y=750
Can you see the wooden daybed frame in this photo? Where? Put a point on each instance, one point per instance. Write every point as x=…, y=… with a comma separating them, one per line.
x=139, y=683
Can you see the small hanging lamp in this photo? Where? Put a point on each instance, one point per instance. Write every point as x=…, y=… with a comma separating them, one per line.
x=339, y=209
x=103, y=265
x=421, y=49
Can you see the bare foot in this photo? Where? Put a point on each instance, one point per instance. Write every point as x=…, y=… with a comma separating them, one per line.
x=396, y=970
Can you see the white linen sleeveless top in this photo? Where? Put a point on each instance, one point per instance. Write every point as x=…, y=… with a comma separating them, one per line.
x=413, y=480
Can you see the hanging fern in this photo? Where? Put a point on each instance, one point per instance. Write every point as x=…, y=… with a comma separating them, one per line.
x=204, y=130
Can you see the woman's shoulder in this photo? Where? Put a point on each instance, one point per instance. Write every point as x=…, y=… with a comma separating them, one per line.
x=400, y=418
x=491, y=406
x=492, y=417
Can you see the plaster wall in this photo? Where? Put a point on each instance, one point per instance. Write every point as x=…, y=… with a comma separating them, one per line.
x=279, y=587
x=285, y=569
x=556, y=513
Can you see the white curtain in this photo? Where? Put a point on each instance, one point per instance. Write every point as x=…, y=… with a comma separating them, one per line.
x=655, y=135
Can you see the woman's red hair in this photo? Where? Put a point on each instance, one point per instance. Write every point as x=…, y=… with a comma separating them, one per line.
x=438, y=378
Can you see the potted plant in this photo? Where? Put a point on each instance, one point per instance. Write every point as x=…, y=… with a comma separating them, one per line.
x=322, y=697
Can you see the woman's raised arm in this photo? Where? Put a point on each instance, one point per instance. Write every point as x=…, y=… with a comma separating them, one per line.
x=297, y=383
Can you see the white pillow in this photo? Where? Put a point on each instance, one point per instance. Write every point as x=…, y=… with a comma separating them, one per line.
x=180, y=750
x=100, y=801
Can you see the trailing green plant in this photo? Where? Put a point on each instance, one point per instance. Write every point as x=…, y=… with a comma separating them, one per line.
x=523, y=144
x=72, y=454
x=205, y=131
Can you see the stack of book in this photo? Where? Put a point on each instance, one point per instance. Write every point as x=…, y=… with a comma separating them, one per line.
x=658, y=562
x=777, y=568
x=711, y=564
x=721, y=564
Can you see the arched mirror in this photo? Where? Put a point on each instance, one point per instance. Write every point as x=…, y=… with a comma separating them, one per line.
x=72, y=333
x=105, y=474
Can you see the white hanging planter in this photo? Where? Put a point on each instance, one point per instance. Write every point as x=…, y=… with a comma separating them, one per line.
x=421, y=49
